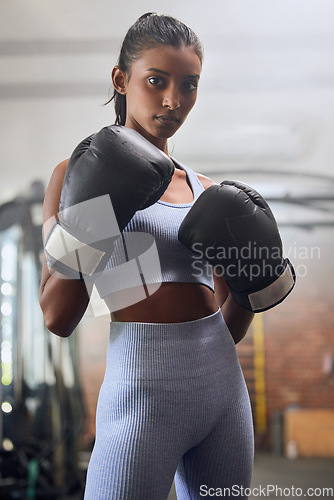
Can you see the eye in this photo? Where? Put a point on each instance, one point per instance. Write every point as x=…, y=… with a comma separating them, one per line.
x=156, y=81
x=190, y=86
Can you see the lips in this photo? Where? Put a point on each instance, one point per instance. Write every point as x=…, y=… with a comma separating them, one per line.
x=168, y=120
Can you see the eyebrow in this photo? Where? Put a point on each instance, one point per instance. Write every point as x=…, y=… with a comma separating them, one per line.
x=157, y=70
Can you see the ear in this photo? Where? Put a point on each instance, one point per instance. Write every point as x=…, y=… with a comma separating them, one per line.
x=118, y=78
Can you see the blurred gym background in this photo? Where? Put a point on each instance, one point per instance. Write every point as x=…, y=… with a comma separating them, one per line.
x=265, y=115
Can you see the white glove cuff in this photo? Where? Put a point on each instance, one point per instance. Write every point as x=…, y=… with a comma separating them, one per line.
x=64, y=249
x=274, y=293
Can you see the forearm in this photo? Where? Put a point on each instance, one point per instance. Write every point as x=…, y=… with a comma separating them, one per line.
x=63, y=302
x=237, y=319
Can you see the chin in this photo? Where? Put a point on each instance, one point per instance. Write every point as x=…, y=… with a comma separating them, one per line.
x=160, y=134
x=166, y=133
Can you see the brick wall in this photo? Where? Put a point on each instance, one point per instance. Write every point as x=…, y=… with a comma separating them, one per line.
x=299, y=333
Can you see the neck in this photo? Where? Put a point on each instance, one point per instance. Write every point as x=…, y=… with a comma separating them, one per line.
x=159, y=142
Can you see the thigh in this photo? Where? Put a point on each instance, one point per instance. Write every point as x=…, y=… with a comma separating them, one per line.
x=221, y=465
x=137, y=445
x=132, y=462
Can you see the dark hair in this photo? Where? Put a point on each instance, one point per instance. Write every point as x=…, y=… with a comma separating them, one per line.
x=149, y=30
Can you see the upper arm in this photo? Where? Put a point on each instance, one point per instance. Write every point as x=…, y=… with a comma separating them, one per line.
x=52, y=196
x=50, y=210
x=63, y=301
x=221, y=289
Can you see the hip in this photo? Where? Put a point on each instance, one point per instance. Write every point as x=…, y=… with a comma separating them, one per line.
x=159, y=369
x=200, y=350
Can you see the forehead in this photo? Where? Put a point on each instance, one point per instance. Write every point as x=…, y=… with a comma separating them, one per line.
x=169, y=59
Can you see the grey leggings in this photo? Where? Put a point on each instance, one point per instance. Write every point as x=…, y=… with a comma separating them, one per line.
x=173, y=402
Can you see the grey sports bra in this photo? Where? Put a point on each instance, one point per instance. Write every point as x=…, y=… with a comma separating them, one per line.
x=157, y=224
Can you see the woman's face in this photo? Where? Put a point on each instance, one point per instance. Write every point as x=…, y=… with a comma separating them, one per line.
x=161, y=91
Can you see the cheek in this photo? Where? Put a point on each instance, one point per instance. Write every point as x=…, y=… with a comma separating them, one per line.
x=190, y=104
x=140, y=99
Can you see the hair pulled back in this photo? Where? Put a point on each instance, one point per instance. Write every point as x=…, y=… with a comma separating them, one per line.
x=149, y=30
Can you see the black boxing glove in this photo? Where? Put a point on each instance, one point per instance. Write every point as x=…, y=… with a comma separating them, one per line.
x=110, y=176
x=234, y=228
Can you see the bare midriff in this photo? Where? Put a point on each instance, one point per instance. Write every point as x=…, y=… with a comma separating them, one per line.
x=171, y=303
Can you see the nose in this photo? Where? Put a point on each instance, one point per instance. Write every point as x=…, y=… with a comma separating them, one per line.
x=171, y=99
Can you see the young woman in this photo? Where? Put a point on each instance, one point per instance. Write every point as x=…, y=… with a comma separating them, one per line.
x=173, y=400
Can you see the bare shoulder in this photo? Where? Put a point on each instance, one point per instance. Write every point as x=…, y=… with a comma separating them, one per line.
x=205, y=181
